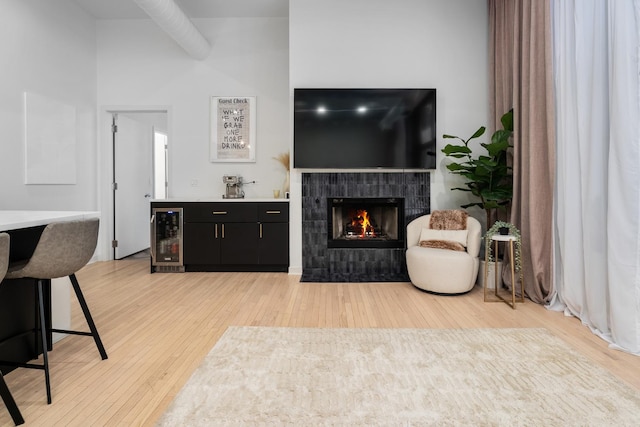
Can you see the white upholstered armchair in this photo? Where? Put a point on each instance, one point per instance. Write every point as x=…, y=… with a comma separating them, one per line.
x=443, y=271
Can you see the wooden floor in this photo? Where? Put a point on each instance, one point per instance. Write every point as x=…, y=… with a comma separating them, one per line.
x=158, y=327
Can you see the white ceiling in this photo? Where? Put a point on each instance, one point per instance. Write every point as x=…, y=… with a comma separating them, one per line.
x=128, y=9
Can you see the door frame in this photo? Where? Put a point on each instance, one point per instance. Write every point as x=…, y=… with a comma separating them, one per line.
x=105, y=168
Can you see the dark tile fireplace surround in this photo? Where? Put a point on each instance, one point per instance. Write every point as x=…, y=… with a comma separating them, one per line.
x=321, y=263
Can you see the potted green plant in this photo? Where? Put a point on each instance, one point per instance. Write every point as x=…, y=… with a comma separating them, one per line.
x=488, y=176
x=513, y=231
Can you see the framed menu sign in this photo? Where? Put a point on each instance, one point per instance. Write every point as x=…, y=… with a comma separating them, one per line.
x=233, y=129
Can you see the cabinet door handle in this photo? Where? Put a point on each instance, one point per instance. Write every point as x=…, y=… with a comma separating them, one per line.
x=273, y=212
x=153, y=237
x=261, y=230
x=219, y=212
x=223, y=231
x=216, y=228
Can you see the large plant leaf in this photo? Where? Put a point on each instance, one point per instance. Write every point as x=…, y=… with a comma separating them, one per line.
x=454, y=137
x=478, y=133
x=507, y=120
x=456, y=167
x=497, y=194
x=472, y=204
x=499, y=143
x=456, y=150
x=488, y=163
x=490, y=204
x=461, y=189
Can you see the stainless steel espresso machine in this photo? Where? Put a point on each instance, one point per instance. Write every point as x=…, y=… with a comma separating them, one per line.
x=234, y=187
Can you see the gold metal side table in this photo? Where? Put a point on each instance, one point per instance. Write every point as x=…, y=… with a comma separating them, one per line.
x=508, y=239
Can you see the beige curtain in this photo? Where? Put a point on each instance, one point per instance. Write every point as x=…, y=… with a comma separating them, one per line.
x=521, y=77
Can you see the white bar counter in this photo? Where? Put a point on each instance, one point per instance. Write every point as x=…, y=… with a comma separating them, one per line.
x=61, y=287
x=14, y=220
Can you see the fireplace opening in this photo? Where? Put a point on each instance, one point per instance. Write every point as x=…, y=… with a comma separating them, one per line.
x=365, y=222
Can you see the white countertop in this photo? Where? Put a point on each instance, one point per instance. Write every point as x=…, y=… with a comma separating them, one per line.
x=13, y=220
x=219, y=199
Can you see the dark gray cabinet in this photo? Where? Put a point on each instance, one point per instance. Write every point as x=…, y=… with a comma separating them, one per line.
x=235, y=236
x=274, y=233
x=204, y=245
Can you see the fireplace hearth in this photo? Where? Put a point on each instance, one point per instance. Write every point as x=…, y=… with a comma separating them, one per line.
x=321, y=263
x=365, y=222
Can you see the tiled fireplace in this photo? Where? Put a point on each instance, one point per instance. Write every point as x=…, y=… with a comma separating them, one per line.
x=353, y=224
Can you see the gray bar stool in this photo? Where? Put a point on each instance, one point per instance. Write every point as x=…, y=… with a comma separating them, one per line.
x=4, y=389
x=63, y=249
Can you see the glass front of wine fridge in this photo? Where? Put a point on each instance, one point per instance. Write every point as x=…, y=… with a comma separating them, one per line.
x=166, y=240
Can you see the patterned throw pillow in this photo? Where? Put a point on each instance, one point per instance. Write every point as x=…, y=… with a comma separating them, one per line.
x=447, y=230
x=458, y=236
x=442, y=244
x=452, y=219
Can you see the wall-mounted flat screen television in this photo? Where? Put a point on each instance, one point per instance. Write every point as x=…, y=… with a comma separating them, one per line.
x=364, y=128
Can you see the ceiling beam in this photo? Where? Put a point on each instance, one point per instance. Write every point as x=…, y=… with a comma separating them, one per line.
x=168, y=15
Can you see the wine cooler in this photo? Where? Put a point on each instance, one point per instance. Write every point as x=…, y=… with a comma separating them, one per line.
x=166, y=240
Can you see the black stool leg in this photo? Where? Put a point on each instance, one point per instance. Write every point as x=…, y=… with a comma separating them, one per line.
x=87, y=315
x=9, y=402
x=43, y=336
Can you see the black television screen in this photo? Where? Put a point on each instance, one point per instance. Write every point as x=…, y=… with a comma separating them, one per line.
x=364, y=128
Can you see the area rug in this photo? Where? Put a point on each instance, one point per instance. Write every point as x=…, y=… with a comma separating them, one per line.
x=399, y=377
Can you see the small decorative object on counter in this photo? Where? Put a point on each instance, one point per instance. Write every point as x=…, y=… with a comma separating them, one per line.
x=234, y=187
x=285, y=160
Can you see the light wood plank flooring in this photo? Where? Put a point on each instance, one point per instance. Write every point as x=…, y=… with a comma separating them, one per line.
x=158, y=327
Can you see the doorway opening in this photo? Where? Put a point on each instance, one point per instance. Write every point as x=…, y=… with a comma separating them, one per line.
x=140, y=141
x=160, y=165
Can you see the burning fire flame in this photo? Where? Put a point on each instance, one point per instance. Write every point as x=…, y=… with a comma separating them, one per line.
x=362, y=220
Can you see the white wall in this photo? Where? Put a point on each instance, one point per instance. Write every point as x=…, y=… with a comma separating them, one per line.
x=139, y=65
x=403, y=43
x=47, y=48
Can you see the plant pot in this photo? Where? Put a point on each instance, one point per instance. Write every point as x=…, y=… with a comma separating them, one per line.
x=503, y=230
x=490, y=274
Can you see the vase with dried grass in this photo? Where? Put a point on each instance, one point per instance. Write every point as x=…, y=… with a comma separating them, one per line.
x=284, y=159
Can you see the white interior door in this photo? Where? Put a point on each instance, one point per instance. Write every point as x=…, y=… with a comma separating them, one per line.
x=133, y=142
